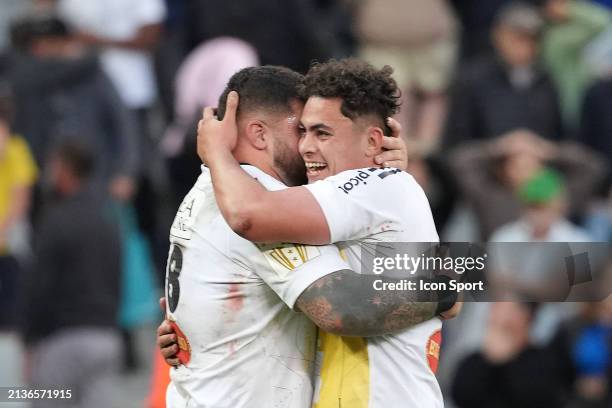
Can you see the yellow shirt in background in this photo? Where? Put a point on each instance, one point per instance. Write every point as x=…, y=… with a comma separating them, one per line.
x=17, y=169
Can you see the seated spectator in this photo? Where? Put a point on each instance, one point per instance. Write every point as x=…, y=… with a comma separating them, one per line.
x=72, y=292
x=17, y=176
x=507, y=90
x=573, y=24
x=491, y=173
x=508, y=371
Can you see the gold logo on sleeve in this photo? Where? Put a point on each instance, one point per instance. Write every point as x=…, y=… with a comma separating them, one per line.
x=288, y=256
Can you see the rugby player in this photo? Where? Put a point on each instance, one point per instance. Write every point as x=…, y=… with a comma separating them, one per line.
x=230, y=301
x=349, y=201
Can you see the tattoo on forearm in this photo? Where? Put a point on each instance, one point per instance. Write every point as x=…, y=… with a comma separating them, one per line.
x=346, y=303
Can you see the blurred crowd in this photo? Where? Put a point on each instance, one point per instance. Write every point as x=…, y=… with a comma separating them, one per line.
x=506, y=108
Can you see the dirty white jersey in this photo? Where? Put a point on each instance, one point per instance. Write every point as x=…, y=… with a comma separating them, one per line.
x=391, y=371
x=231, y=303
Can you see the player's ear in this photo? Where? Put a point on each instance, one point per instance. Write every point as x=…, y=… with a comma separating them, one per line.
x=256, y=134
x=374, y=140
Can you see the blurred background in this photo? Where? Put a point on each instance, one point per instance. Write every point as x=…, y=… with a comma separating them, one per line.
x=507, y=109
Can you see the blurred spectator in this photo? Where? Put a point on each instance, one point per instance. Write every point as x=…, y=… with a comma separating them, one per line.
x=420, y=46
x=17, y=176
x=72, y=292
x=199, y=83
x=573, y=24
x=583, y=350
x=476, y=17
x=545, y=208
x=508, y=371
x=596, y=123
x=539, y=272
x=491, y=173
x=509, y=90
x=126, y=31
x=284, y=32
x=62, y=94
x=170, y=52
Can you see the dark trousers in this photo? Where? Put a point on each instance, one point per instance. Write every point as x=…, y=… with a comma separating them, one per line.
x=9, y=289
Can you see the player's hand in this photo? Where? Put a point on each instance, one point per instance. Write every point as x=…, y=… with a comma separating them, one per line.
x=452, y=312
x=395, y=152
x=166, y=341
x=215, y=134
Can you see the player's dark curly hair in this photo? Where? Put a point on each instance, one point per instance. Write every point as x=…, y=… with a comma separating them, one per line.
x=364, y=89
x=269, y=87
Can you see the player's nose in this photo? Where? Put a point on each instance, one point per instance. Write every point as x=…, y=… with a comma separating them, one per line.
x=307, y=145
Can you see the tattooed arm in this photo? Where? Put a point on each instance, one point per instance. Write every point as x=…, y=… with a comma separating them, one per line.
x=347, y=304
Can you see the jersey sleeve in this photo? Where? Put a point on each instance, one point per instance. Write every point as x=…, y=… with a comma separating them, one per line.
x=291, y=268
x=360, y=203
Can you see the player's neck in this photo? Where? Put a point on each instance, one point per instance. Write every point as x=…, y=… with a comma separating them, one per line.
x=257, y=159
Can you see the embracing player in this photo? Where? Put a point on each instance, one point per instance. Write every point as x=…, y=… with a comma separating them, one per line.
x=230, y=301
x=350, y=201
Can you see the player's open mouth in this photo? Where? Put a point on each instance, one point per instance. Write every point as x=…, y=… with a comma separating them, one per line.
x=314, y=168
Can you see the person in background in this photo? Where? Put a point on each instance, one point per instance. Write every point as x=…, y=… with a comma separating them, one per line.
x=545, y=202
x=491, y=173
x=596, y=121
x=572, y=25
x=476, y=18
x=62, y=94
x=421, y=48
x=509, y=89
x=508, y=371
x=582, y=347
x=291, y=33
x=126, y=48
x=71, y=293
x=18, y=174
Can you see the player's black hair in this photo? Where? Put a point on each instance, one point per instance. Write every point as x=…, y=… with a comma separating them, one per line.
x=364, y=90
x=268, y=87
x=78, y=157
x=25, y=31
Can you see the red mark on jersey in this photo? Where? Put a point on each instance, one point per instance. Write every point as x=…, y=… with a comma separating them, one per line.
x=432, y=350
x=235, y=299
x=184, y=353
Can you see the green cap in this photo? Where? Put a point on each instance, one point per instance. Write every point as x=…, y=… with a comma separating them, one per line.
x=544, y=186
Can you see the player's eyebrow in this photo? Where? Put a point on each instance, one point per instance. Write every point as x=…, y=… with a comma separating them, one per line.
x=320, y=126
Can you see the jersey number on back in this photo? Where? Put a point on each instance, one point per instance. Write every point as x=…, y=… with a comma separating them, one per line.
x=173, y=288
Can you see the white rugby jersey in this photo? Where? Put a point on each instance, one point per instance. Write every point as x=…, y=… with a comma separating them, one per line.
x=231, y=301
x=374, y=205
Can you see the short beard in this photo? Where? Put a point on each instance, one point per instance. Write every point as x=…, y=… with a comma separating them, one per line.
x=289, y=164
